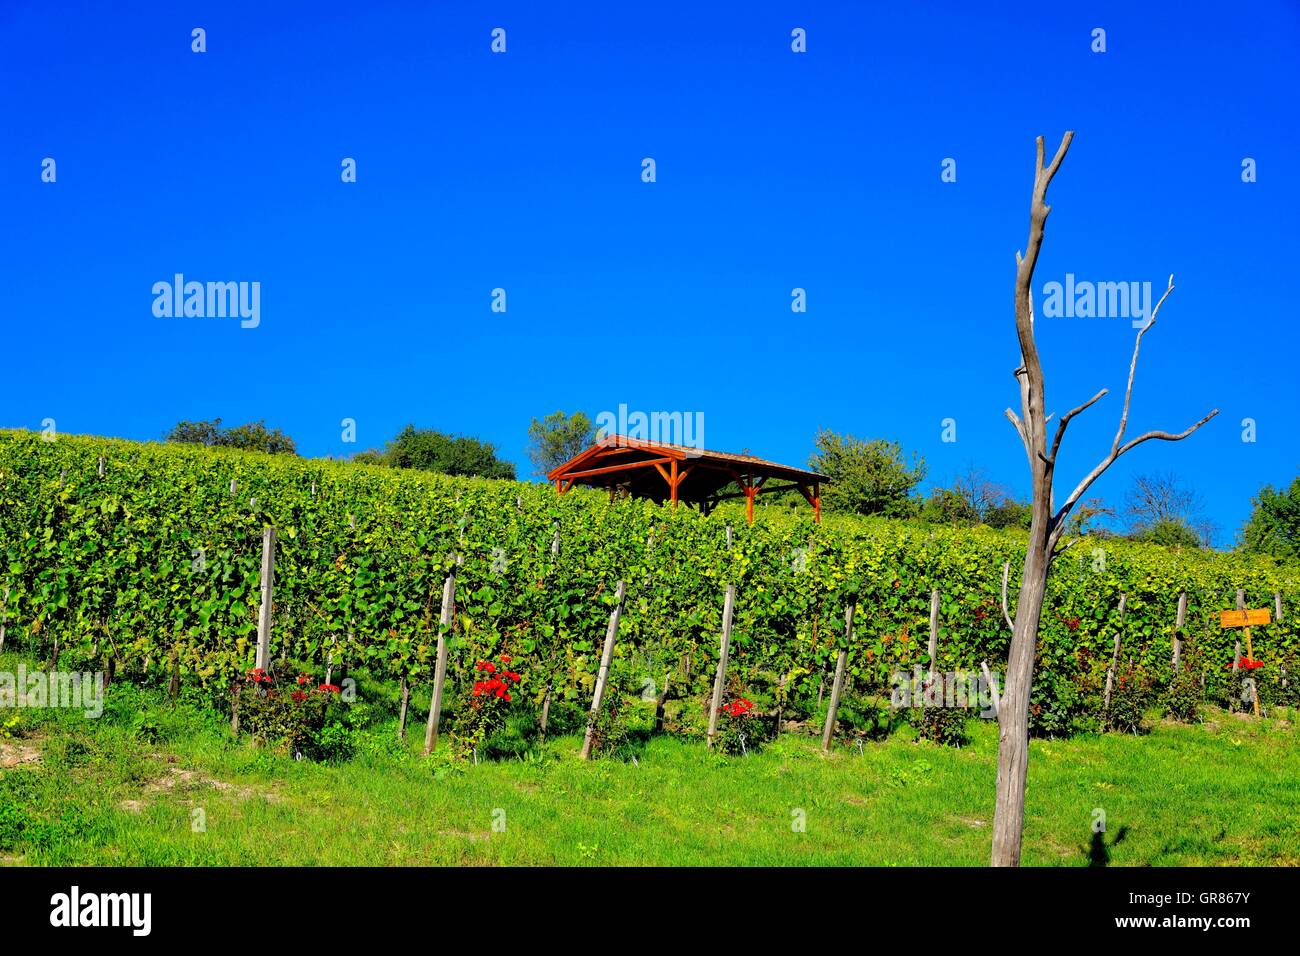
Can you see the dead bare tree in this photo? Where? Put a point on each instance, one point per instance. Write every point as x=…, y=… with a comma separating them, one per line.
x=1047, y=522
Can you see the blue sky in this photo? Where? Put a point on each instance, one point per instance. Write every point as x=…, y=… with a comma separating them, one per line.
x=775, y=170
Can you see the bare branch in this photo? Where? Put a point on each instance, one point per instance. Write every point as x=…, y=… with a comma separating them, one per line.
x=1020, y=430
x=1065, y=420
x=1132, y=368
x=1058, y=522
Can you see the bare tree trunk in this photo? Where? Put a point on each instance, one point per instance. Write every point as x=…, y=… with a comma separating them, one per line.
x=1013, y=712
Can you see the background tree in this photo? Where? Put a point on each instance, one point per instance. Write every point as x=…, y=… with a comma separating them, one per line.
x=431, y=450
x=980, y=492
x=1009, y=513
x=867, y=477
x=1047, y=523
x=1159, y=508
x=1274, y=523
x=557, y=438
x=252, y=436
x=948, y=506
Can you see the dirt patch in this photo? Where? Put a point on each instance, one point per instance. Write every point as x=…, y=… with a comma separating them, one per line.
x=16, y=754
x=179, y=780
x=973, y=823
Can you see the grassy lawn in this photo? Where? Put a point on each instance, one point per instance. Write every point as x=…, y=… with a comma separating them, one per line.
x=124, y=789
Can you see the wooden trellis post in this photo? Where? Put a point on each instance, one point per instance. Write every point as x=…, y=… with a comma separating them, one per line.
x=838, y=686
x=602, y=676
x=263, y=659
x=724, y=649
x=405, y=696
x=934, y=628
x=440, y=666
x=4, y=619
x=1236, y=646
x=546, y=697
x=1178, y=629
x=1114, y=657
x=993, y=687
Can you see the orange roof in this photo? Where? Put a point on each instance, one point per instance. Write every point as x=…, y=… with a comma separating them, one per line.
x=665, y=471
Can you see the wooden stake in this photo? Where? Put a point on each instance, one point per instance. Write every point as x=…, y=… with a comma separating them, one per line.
x=602, y=676
x=1236, y=645
x=724, y=649
x=1178, y=629
x=780, y=705
x=1250, y=651
x=840, y=662
x=263, y=660
x=1114, y=658
x=993, y=687
x=4, y=619
x=546, y=708
x=440, y=667
x=934, y=628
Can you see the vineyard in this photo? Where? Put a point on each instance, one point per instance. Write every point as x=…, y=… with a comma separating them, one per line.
x=144, y=561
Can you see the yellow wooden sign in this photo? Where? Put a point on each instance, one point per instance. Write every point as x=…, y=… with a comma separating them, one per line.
x=1248, y=618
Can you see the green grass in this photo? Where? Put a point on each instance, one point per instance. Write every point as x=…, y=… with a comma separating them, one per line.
x=123, y=790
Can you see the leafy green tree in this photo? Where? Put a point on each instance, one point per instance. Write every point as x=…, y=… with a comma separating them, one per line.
x=870, y=477
x=1009, y=513
x=1274, y=524
x=1169, y=532
x=948, y=506
x=430, y=450
x=252, y=436
x=557, y=438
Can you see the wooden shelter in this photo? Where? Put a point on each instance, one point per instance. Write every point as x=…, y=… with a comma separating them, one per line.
x=664, y=472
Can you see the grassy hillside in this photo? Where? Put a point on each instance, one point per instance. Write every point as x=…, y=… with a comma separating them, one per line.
x=125, y=789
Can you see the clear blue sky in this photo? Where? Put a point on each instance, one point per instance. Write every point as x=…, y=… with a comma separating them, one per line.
x=775, y=170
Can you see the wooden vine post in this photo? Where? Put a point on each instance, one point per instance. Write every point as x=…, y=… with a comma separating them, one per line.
x=934, y=629
x=602, y=676
x=837, y=687
x=4, y=618
x=724, y=650
x=440, y=665
x=263, y=659
x=1179, y=621
x=546, y=697
x=1236, y=646
x=1114, y=657
x=405, y=697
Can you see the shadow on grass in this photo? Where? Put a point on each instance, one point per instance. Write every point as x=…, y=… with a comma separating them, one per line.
x=1099, y=852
